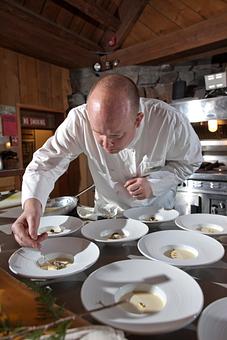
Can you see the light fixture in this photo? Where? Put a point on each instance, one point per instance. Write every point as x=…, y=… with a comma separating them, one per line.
x=103, y=63
x=8, y=145
x=212, y=125
x=97, y=67
x=115, y=62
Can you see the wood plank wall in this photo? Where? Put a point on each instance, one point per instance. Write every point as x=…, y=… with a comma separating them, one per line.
x=30, y=81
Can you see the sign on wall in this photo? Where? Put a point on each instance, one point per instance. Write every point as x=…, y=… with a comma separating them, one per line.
x=9, y=125
x=34, y=122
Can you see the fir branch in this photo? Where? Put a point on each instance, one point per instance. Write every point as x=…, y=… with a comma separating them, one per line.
x=46, y=302
x=60, y=322
x=47, y=308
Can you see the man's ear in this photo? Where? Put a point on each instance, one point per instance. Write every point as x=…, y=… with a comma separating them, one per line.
x=139, y=118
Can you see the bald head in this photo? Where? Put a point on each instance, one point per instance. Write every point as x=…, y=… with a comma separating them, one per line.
x=116, y=92
x=112, y=107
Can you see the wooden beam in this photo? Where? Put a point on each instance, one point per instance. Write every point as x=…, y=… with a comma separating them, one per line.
x=35, y=37
x=21, y=12
x=95, y=12
x=201, y=37
x=128, y=12
x=202, y=55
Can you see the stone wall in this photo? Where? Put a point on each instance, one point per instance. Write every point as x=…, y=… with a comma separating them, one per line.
x=153, y=81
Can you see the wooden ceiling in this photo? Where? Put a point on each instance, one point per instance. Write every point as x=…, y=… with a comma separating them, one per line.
x=75, y=33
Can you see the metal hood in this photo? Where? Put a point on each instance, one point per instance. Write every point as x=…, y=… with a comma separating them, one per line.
x=198, y=110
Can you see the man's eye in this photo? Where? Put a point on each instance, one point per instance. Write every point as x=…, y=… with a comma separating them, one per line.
x=116, y=137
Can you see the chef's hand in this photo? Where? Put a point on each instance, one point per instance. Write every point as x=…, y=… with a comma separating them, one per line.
x=26, y=226
x=138, y=188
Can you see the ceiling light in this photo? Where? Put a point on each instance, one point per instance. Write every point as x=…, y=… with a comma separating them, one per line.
x=212, y=125
x=97, y=67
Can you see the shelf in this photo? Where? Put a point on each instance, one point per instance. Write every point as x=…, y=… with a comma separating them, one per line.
x=11, y=172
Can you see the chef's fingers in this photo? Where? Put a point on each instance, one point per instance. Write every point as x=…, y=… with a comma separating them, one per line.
x=140, y=197
x=138, y=194
x=21, y=235
x=134, y=188
x=42, y=237
x=33, y=224
x=130, y=181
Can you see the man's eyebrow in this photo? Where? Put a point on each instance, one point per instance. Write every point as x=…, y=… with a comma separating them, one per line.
x=111, y=134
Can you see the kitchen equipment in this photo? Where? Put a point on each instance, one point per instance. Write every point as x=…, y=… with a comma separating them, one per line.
x=63, y=205
x=205, y=191
x=179, y=87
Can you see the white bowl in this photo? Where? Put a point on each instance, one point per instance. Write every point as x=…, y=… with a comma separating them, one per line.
x=204, y=249
x=102, y=230
x=25, y=261
x=182, y=294
x=143, y=214
x=202, y=223
x=67, y=224
x=213, y=321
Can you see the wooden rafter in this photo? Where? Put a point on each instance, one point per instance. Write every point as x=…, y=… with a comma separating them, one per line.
x=95, y=12
x=129, y=12
x=201, y=37
x=22, y=13
x=35, y=36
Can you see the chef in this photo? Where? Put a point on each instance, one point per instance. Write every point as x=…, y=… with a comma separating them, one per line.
x=138, y=150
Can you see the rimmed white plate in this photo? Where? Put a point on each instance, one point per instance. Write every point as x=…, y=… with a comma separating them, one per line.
x=83, y=252
x=86, y=212
x=67, y=224
x=184, y=297
x=144, y=214
x=213, y=321
x=104, y=230
x=201, y=249
x=216, y=224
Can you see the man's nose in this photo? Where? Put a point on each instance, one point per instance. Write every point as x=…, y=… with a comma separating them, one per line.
x=107, y=142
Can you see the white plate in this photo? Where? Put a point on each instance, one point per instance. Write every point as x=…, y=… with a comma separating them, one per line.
x=68, y=224
x=87, y=213
x=212, y=324
x=101, y=230
x=194, y=222
x=205, y=249
x=24, y=261
x=184, y=297
x=141, y=214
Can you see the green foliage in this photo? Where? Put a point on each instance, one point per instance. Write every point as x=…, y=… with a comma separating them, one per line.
x=47, y=309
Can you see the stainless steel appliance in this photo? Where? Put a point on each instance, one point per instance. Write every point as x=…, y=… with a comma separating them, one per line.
x=206, y=190
x=199, y=194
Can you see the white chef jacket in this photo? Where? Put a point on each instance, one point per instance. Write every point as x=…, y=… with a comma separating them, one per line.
x=165, y=149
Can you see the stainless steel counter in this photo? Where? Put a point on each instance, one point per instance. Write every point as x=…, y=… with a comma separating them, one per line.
x=212, y=279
